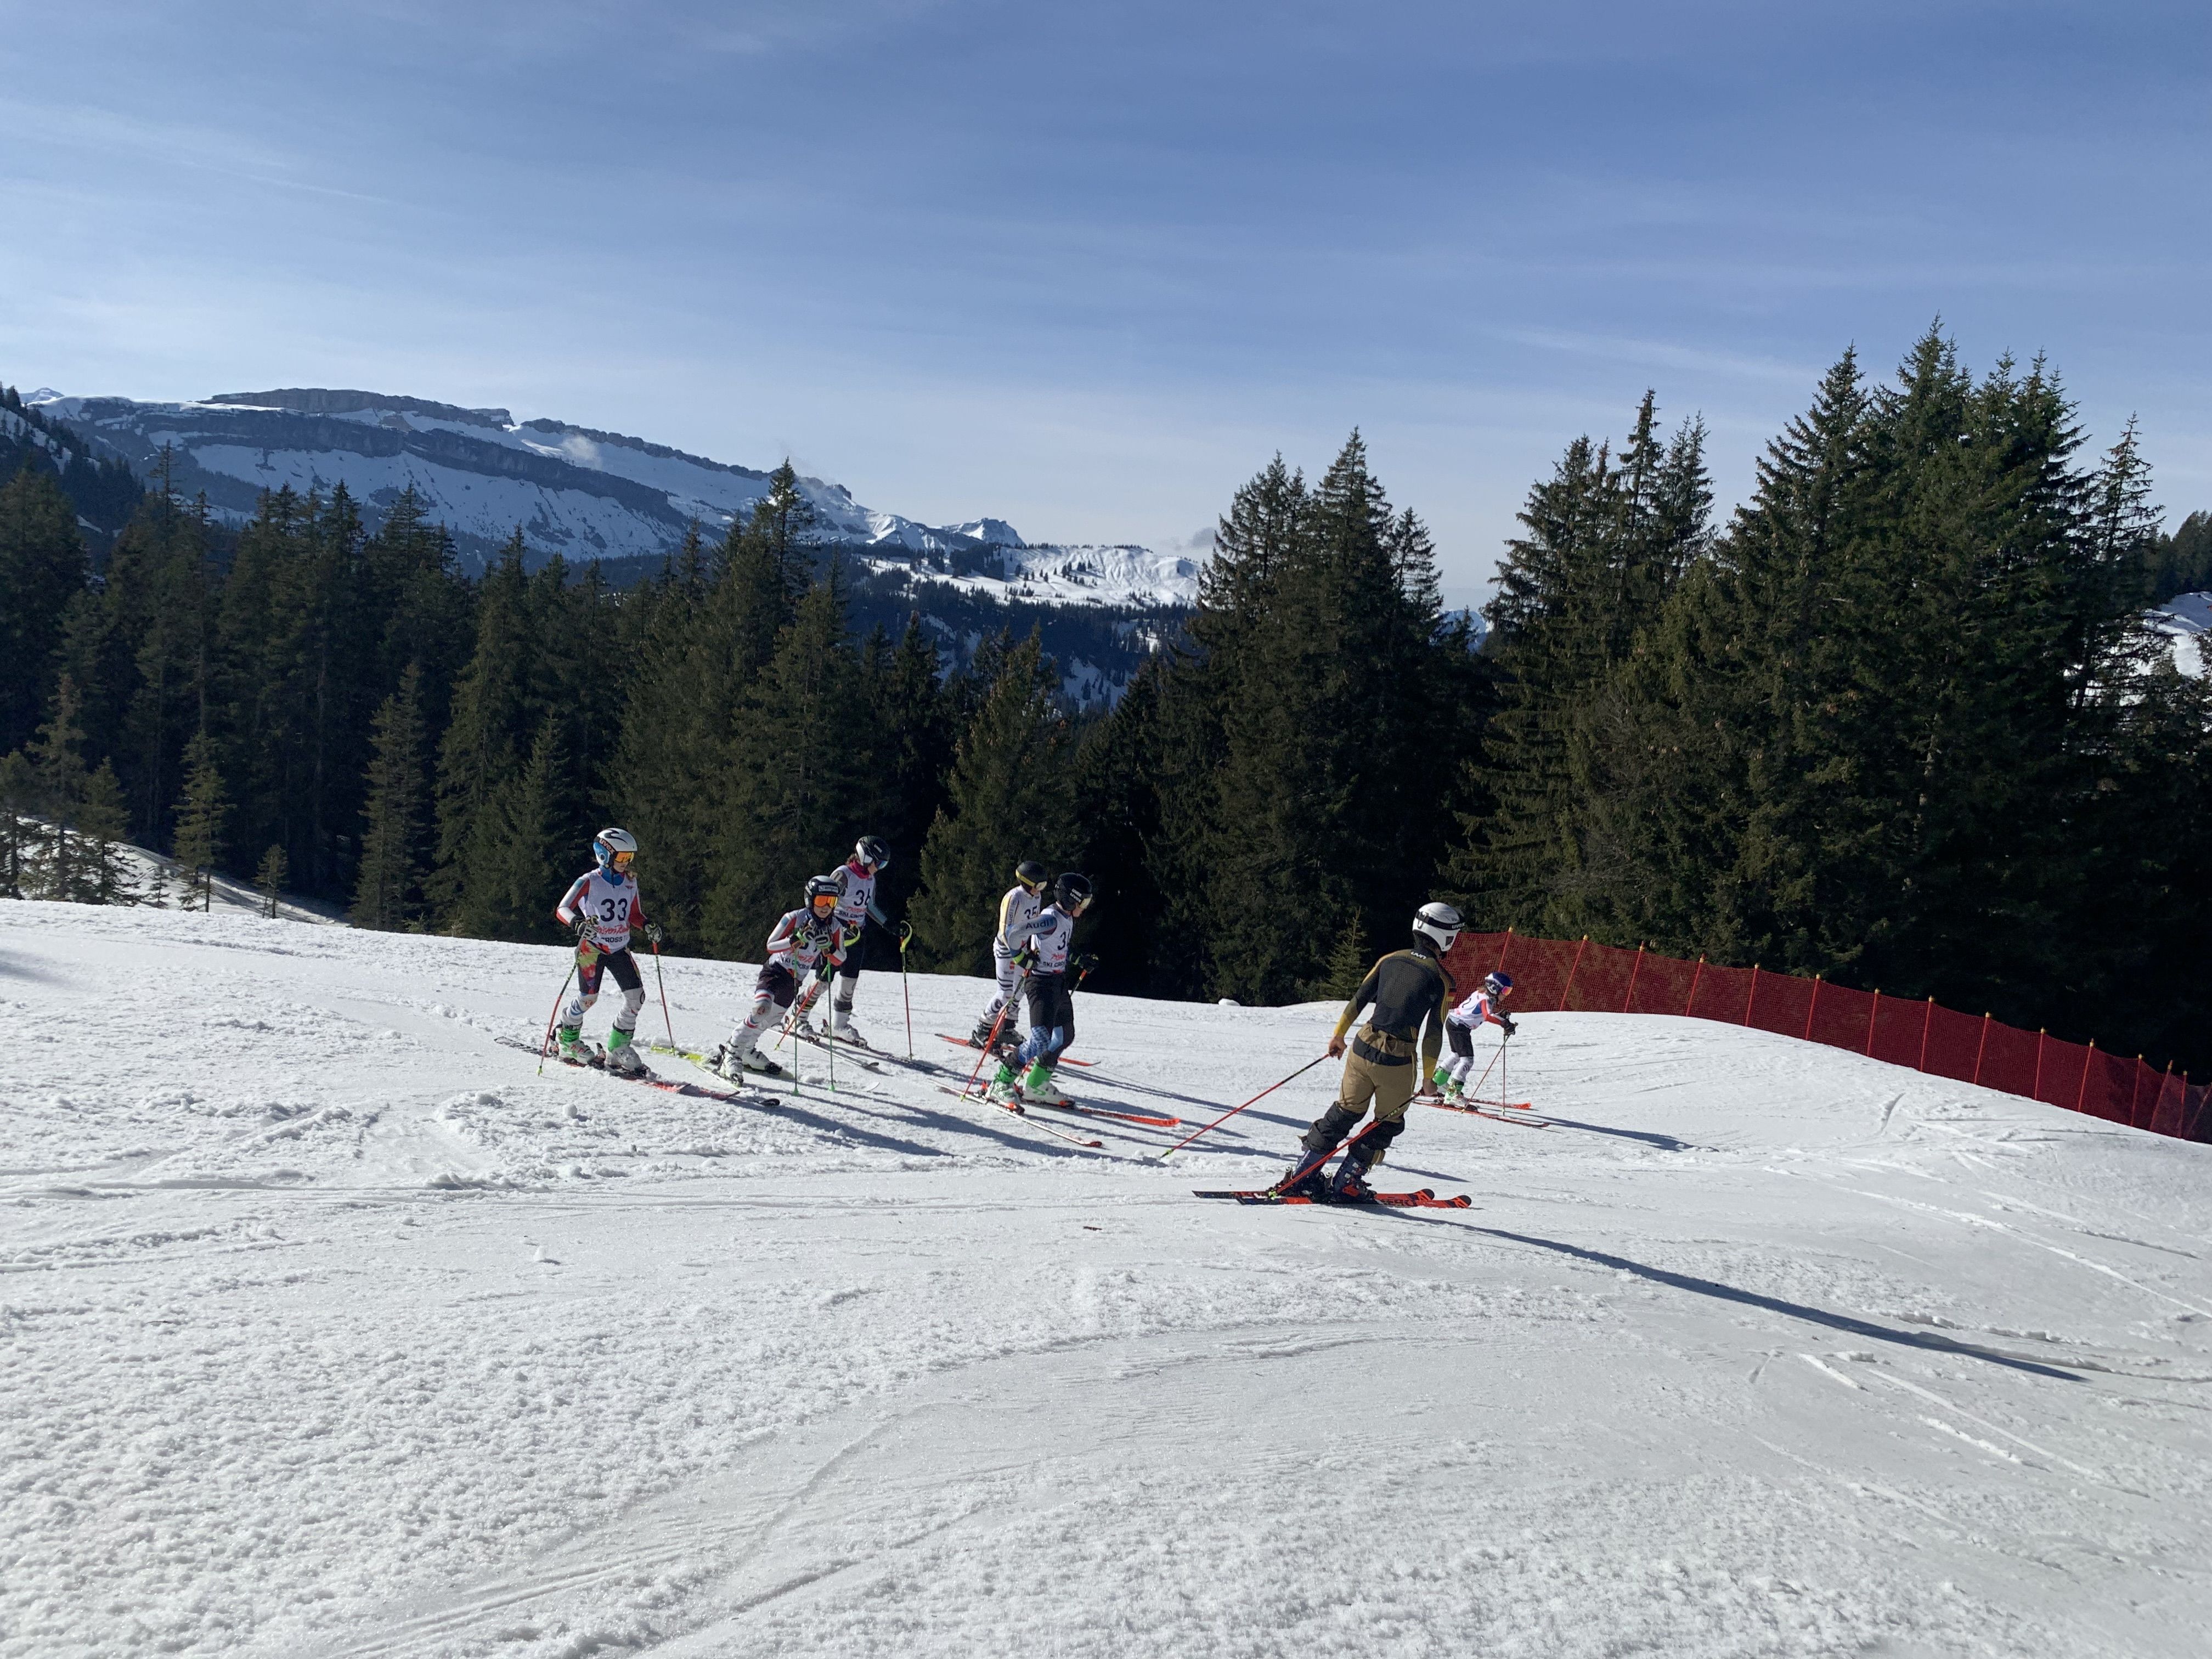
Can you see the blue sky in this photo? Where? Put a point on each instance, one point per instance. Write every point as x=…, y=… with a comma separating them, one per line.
x=1087, y=267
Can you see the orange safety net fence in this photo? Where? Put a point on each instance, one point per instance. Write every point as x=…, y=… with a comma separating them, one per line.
x=1577, y=975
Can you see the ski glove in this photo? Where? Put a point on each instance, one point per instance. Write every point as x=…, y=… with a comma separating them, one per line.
x=1506, y=1020
x=587, y=928
x=653, y=932
x=824, y=968
x=1083, y=963
x=1025, y=958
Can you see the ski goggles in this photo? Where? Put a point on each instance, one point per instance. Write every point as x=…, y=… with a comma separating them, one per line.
x=824, y=903
x=622, y=860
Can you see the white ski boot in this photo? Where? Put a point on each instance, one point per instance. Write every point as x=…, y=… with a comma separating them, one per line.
x=623, y=1055
x=1039, y=1087
x=842, y=1029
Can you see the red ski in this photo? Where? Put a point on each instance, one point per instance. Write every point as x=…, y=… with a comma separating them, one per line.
x=1487, y=1109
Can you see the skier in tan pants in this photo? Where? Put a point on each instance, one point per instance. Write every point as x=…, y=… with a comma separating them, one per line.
x=1407, y=991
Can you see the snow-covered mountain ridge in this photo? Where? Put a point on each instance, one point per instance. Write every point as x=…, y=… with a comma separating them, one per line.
x=576, y=491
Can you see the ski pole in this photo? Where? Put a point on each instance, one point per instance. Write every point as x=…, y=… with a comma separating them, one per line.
x=1255, y=1100
x=663, y=984
x=546, y=1042
x=905, y=937
x=991, y=1047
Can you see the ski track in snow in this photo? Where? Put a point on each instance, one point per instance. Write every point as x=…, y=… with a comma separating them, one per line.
x=331, y=1328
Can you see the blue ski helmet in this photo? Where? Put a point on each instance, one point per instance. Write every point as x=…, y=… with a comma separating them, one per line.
x=1498, y=984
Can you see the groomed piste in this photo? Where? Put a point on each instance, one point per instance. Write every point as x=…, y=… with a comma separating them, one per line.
x=329, y=1325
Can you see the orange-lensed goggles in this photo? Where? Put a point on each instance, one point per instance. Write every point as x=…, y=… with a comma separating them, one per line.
x=622, y=860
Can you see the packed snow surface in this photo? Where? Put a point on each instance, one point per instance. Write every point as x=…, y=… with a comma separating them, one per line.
x=331, y=1326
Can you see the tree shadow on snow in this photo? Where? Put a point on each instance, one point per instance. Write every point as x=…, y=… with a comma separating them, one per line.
x=1926, y=1341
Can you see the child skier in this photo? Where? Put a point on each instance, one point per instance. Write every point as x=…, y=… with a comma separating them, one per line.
x=1408, y=990
x=1480, y=1008
x=602, y=905
x=856, y=907
x=1017, y=914
x=805, y=941
x=1042, y=956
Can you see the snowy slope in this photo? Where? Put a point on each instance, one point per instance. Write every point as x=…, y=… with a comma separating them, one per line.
x=576, y=491
x=2185, y=622
x=330, y=1327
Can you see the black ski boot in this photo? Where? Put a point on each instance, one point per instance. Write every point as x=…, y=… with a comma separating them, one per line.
x=1350, y=1185
x=1318, y=1142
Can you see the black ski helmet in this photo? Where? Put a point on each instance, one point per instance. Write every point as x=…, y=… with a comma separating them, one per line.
x=1072, y=891
x=1032, y=874
x=823, y=887
x=870, y=850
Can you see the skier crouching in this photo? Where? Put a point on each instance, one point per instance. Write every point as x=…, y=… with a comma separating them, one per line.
x=1044, y=957
x=1406, y=990
x=1017, y=914
x=602, y=905
x=807, y=940
x=1480, y=1008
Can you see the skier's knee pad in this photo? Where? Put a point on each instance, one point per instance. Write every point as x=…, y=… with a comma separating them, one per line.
x=1331, y=1127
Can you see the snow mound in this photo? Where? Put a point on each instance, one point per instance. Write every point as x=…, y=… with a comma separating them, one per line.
x=334, y=1326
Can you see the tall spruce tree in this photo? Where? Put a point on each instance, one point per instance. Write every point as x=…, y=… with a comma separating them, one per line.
x=42, y=569
x=793, y=791
x=387, y=891
x=202, y=814
x=1009, y=798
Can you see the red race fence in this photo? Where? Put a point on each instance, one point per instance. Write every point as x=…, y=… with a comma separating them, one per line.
x=1552, y=974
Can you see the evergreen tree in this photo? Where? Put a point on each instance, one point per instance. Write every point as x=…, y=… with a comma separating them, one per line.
x=269, y=880
x=1348, y=962
x=387, y=891
x=1009, y=798
x=792, y=790
x=19, y=824
x=42, y=567
x=2180, y=564
x=201, y=815
x=104, y=873
x=57, y=764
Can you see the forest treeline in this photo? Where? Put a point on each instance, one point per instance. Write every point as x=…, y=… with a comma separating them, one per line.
x=1897, y=721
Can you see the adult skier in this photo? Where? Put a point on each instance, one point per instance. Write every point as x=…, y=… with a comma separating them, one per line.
x=856, y=907
x=1406, y=991
x=1044, y=956
x=602, y=905
x=1018, y=914
x=804, y=942
x=1480, y=1008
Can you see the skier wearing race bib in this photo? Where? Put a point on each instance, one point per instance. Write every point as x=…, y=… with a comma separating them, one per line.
x=1018, y=914
x=1407, y=991
x=1480, y=1008
x=603, y=906
x=1045, y=957
x=856, y=909
x=805, y=943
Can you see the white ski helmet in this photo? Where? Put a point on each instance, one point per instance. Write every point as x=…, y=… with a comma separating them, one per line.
x=615, y=849
x=1438, y=923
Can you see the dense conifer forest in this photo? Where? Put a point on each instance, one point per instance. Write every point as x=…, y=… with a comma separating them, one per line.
x=1896, y=721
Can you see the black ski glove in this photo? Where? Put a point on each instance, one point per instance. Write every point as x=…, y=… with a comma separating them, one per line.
x=1506, y=1020
x=1083, y=963
x=587, y=929
x=1025, y=958
x=653, y=934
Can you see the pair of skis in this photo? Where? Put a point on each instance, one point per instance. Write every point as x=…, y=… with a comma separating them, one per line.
x=1419, y=1199
x=1285, y=1190
x=1497, y=1111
